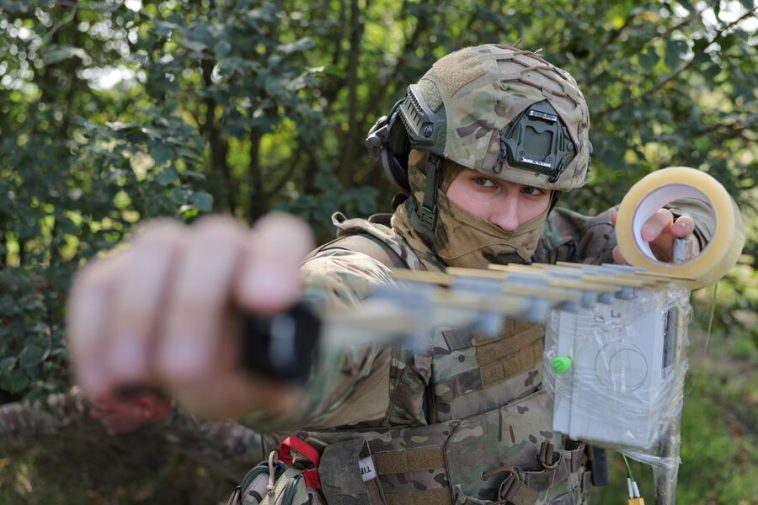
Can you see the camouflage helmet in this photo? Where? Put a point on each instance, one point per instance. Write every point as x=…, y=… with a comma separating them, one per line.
x=502, y=111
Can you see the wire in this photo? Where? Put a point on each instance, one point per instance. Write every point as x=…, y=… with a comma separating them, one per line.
x=710, y=319
x=632, y=488
x=628, y=468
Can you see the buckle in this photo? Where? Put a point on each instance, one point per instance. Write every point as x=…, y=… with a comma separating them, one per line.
x=547, y=457
x=428, y=217
x=510, y=485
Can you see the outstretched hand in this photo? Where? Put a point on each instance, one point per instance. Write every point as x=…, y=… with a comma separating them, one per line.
x=660, y=231
x=165, y=311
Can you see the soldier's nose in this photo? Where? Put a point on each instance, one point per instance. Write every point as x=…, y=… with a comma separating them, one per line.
x=504, y=213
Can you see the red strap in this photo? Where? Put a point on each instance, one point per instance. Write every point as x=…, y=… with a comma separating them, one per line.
x=285, y=456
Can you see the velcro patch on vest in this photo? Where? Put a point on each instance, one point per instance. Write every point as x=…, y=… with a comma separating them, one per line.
x=413, y=476
x=503, y=358
x=412, y=460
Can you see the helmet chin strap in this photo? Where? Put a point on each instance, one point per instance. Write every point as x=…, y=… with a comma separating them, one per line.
x=553, y=200
x=424, y=218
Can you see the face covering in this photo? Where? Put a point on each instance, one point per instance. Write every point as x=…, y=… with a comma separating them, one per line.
x=462, y=239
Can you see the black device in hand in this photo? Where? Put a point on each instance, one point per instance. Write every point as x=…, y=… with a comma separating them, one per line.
x=283, y=346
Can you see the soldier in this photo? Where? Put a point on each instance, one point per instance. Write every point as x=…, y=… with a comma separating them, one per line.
x=227, y=447
x=481, y=146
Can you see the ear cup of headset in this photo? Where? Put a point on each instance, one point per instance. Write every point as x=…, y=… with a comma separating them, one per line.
x=388, y=145
x=397, y=149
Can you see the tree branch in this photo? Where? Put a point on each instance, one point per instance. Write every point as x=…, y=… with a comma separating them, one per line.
x=661, y=35
x=74, y=8
x=675, y=73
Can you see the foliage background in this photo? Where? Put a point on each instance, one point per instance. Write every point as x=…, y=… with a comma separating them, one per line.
x=113, y=112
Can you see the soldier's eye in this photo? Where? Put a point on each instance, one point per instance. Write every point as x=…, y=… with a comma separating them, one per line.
x=531, y=190
x=484, y=182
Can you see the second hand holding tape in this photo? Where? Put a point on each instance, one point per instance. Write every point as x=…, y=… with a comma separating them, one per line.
x=664, y=186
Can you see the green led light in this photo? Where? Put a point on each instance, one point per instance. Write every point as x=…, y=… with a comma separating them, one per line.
x=560, y=364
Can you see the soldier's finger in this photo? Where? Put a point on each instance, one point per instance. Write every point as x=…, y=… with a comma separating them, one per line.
x=270, y=277
x=139, y=298
x=86, y=322
x=618, y=258
x=614, y=217
x=197, y=304
x=683, y=226
x=656, y=224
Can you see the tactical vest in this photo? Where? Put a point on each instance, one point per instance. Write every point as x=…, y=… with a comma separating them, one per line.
x=484, y=434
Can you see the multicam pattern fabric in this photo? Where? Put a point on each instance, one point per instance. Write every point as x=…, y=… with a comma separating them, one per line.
x=434, y=420
x=227, y=447
x=484, y=88
x=478, y=398
x=21, y=423
x=576, y=238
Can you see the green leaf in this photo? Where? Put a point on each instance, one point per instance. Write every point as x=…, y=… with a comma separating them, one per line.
x=165, y=28
x=7, y=364
x=687, y=5
x=674, y=51
x=178, y=196
x=222, y=48
x=712, y=71
x=747, y=4
x=161, y=153
x=67, y=226
x=18, y=381
x=698, y=48
x=31, y=355
x=193, y=45
x=648, y=58
x=202, y=201
x=193, y=174
x=167, y=176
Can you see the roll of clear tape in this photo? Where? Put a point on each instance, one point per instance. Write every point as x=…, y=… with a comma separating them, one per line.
x=662, y=187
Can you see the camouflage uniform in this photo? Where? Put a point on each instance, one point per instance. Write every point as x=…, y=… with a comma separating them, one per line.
x=436, y=421
x=228, y=447
x=463, y=421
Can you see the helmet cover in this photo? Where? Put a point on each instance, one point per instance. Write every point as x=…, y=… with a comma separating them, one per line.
x=505, y=112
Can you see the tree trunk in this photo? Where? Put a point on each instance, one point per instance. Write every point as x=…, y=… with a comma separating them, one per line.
x=219, y=147
x=353, y=136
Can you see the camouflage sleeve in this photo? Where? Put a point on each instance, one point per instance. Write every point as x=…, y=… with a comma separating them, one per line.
x=22, y=423
x=228, y=447
x=577, y=238
x=350, y=386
